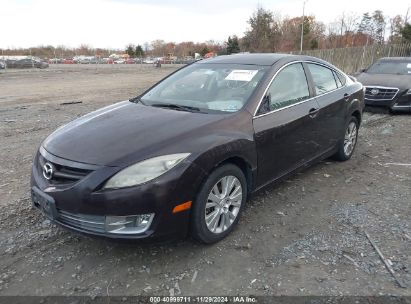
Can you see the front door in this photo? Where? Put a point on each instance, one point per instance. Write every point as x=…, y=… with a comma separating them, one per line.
x=286, y=125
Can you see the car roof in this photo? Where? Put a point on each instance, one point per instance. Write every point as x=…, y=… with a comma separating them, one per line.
x=258, y=59
x=395, y=59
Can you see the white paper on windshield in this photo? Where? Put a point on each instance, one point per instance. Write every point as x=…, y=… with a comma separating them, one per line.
x=209, y=72
x=241, y=75
x=409, y=66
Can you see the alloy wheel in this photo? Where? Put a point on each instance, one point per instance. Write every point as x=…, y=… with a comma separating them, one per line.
x=350, y=138
x=223, y=204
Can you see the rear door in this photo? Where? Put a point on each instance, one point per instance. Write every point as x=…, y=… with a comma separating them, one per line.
x=332, y=97
x=286, y=124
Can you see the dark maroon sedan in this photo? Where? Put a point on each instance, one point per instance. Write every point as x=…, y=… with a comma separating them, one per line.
x=184, y=156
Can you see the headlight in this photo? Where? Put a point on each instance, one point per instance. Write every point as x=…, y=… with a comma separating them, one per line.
x=144, y=171
x=408, y=92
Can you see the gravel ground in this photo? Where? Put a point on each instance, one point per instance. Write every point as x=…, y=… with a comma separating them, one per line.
x=304, y=236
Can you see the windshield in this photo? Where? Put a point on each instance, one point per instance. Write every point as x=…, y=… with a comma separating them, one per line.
x=207, y=87
x=391, y=67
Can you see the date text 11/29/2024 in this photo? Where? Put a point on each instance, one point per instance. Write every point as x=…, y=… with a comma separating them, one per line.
x=203, y=299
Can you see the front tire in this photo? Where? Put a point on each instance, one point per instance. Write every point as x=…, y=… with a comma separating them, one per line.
x=219, y=204
x=347, y=144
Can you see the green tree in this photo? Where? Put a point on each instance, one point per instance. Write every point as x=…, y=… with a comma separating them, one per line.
x=130, y=50
x=406, y=32
x=139, y=51
x=314, y=44
x=379, y=25
x=366, y=25
x=204, y=51
x=260, y=34
x=306, y=25
x=233, y=45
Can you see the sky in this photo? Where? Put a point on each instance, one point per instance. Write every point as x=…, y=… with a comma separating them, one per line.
x=116, y=23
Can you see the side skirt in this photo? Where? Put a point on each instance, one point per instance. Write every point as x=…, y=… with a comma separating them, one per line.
x=299, y=168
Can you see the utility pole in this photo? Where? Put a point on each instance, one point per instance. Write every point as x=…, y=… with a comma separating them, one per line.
x=31, y=58
x=4, y=61
x=302, y=28
x=341, y=32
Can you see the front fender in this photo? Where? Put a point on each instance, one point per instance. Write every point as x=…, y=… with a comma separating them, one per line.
x=230, y=149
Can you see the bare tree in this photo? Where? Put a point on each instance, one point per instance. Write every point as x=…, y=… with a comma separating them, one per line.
x=332, y=33
x=407, y=15
x=158, y=47
x=350, y=22
x=396, y=24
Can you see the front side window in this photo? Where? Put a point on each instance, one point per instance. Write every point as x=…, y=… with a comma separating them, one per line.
x=207, y=87
x=288, y=87
x=323, y=78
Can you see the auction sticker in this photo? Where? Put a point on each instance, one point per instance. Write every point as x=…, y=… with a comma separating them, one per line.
x=241, y=75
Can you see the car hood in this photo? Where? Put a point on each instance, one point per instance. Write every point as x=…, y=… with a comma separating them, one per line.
x=385, y=80
x=127, y=132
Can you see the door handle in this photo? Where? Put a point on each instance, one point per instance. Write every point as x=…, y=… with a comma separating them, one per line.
x=346, y=97
x=313, y=112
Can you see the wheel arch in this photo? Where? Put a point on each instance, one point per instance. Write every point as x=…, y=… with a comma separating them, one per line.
x=239, y=152
x=244, y=166
x=357, y=114
x=354, y=109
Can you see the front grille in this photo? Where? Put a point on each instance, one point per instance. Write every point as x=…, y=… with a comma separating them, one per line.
x=380, y=93
x=63, y=174
x=93, y=223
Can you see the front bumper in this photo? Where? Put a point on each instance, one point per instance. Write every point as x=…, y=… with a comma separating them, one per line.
x=400, y=102
x=403, y=104
x=81, y=205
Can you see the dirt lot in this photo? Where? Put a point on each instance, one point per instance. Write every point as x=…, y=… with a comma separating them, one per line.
x=304, y=236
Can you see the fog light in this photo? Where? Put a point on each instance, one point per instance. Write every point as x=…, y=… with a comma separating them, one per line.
x=130, y=224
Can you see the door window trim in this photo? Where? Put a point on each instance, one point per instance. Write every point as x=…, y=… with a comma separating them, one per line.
x=308, y=82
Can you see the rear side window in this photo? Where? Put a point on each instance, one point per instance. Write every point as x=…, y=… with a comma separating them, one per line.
x=341, y=78
x=289, y=87
x=323, y=78
x=337, y=80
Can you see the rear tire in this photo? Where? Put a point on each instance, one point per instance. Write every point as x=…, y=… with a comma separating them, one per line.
x=346, y=145
x=219, y=204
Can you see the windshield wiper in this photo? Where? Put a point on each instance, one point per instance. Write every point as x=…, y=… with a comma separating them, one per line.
x=176, y=107
x=135, y=100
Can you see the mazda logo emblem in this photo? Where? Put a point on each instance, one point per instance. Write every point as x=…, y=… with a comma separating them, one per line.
x=48, y=170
